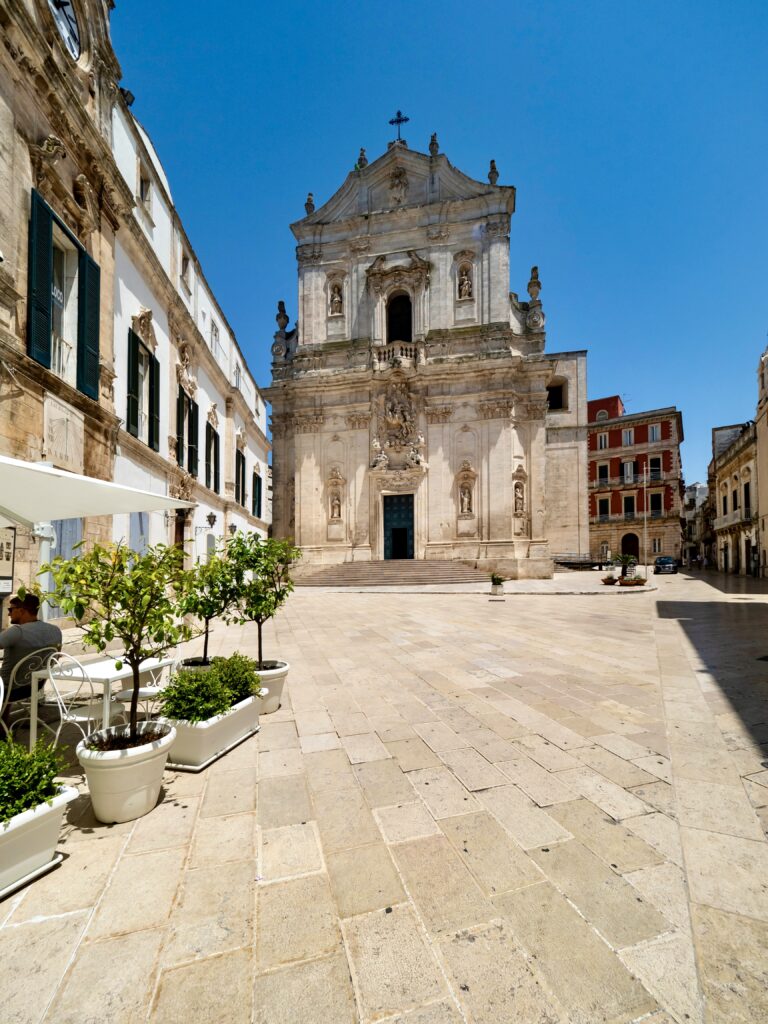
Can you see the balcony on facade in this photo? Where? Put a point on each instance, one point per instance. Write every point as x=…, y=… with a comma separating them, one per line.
x=632, y=517
x=734, y=518
x=654, y=477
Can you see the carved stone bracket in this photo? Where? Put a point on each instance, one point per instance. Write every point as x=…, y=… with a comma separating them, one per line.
x=85, y=198
x=183, y=374
x=213, y=416
x=497, y=228
x=532, y=409
x=181, y=485
x=45, y=156
x=141, y=324
x=172, y=442
x=107, y=377
x=241, y=441
x=308, y=424
x=439, y=413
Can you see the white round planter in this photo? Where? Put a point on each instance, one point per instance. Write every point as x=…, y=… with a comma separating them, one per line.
x=125, y=784
x=197, y=743
x=28, y=841
x=273, y=678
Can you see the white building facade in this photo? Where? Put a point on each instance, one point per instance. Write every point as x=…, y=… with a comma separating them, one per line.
x=416, y=413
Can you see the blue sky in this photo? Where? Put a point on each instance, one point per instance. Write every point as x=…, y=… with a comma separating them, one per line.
x=635, y=133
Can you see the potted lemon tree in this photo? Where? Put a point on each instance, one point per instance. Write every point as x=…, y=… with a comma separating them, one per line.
x=211, y=595
x=263, y=582
x=114, y=593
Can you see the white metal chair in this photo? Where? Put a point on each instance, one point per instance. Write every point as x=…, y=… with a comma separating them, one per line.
x=76, y=698
x=21, y=679
x=149, y=693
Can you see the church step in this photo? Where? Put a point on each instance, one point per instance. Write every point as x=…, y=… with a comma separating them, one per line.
x=390, y=573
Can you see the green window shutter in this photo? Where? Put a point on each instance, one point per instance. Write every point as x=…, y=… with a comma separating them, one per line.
x=88, y=311
x=238, y=487
x=154, y=404
x=256, y=496
x=132, y=410
x=181, y=403
x=208, y=453
x=192, y=440
x=216, y=462
x=39, y=312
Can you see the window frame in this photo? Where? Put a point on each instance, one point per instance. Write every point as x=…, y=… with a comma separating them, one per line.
x=603, y=437
x=627, y=437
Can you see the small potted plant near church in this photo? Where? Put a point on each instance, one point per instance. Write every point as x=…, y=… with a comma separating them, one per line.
x=211, y=596
x=32, y=806
x=213, y=711
x=263, y=582
x=114, y=593
x=497, y=584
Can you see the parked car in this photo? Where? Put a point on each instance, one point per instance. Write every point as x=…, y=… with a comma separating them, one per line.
x=665, y=563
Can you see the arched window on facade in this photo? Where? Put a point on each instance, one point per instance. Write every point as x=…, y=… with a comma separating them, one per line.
x=399, y=318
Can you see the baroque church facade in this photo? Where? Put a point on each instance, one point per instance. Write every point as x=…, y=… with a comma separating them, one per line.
x=416, y=413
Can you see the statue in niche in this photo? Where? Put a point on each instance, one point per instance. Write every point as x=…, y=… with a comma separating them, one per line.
x=380, y=457
x=465, y=500
x=519, y=497
x=337, y=302
x=465, y=283
x=335, y=505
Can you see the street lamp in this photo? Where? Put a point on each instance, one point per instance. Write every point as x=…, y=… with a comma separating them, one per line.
x=211, y=519
x=232, y=529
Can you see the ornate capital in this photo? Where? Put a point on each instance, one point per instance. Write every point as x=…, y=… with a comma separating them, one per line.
x=358, y=420
x=532, y=409
x=307, y=424
x=498, y=410
x=439, y=413
x=308, y=255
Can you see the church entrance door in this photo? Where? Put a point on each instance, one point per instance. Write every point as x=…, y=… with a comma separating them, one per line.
x=398, y=526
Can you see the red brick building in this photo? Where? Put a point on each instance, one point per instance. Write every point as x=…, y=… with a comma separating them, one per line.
x=635, y=481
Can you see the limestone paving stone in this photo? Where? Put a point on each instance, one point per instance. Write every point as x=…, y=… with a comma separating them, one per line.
x=34, y=957
x=732, y=955
x=277, y=735
x=605, y=837
x=295, y=920
x=489, y=852
x=383, y=783
x=213, y=912
x=659, y=796
x=492, y=978
x=413, y=754
x=438, y=736
x=601, y=791
x=545, y=753
x=667, y=969
x=436, y=1013
x=527, y=824
x=393, y=968
x=230, y=793
x=472, y=769
x=313, y=723
x=664, y=888
x=544, y=788
x=288, y=851
x=405, y=821
x=274, y=763
x=391, y=730
x=706, y=805
x=218, y=990
x=170, y=824
x=364, y=747
x=218, y=840
x=623, y=746
x=283, y=801
x=623, y=773
x=110, y=980
x=608, y=902
x=140, y=894
x=319, y=741
x=727, y=872
x=442, y=888
x=443, y=794
x=656, y=765
x=313, y=992
x=350, y=724
x=364, y=879
x=343, y=819
x=587, y=978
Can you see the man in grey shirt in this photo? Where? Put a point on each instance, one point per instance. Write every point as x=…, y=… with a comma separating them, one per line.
x=25, y=635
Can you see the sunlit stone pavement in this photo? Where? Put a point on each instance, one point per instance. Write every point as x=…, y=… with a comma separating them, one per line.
x=545, y=809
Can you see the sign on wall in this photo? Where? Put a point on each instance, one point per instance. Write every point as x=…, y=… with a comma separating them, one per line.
x=7, y=556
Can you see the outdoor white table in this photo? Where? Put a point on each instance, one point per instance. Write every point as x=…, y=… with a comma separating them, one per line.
x=101, y=673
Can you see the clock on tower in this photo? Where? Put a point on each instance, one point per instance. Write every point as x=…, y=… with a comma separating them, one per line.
x=66, y=22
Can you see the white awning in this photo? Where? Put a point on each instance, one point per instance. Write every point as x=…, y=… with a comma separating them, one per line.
x=34, y=493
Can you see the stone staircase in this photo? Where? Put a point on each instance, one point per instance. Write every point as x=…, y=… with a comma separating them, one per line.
x=393, y=573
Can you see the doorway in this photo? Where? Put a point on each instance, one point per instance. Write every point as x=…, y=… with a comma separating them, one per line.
x=630, y=545
x=399, y=318
x=398, y=526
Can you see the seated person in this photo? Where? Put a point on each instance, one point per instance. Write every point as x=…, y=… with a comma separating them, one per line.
x=25, y=635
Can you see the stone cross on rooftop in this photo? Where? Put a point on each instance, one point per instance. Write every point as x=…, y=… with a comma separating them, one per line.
x=399, y=119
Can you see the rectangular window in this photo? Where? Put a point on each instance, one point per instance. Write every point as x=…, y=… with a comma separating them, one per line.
x=602, y=473
x=629, y=506
x=143, y=413
x=628, y=472
x=735, y=499
x=186, y=274
x=211, y=458
x=656, y=545
x=656, y=505
x=604, y=509
x=240, y=496
x=63, y=301
x=628, y=436
x=214, y=335
x=654, y=466
x=187, y=428
x=747, y=501
x=602, y=441
x=555, y=396
x=256, y=495
x=139, y=532
x=725, y=504
x=145, y=190
x=654, y=432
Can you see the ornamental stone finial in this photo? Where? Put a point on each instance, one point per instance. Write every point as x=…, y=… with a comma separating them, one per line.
x=434, y=145
x=309, y=206
x=362, y=160
x=534, y=285
x=493, y=174
x=282, y=316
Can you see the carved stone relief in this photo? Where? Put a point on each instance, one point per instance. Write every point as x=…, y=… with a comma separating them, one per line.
x=213, y=416
x=495, y=410
x=439, y=413
x=183, y=372
x=357, y=421
x=398, y=185
x=465, y=490
x=141, y=324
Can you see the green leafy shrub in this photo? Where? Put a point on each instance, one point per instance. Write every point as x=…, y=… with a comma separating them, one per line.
x=238, y=673
x=27, y=777
x=496, y=580
x=195, y=696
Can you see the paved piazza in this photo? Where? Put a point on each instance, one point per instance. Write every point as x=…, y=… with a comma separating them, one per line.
x=547, y=809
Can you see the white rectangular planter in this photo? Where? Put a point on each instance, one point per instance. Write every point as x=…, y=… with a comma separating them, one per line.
x=28, y=841
x=197, y=743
